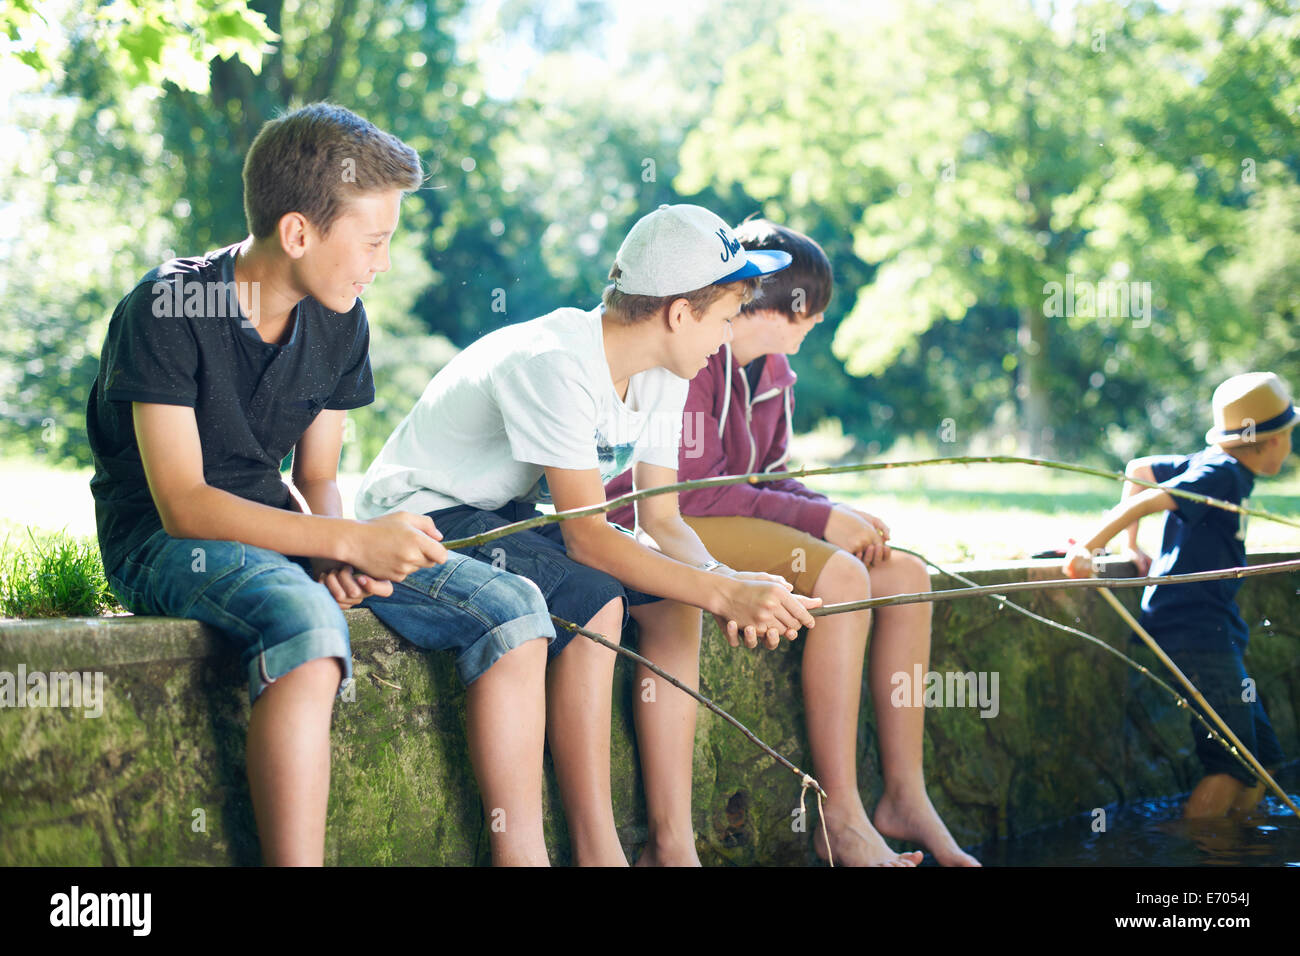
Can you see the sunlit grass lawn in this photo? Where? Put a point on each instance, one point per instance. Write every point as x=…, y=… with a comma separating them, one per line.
x=55, y=499
x=953, y=513
x=986, y=513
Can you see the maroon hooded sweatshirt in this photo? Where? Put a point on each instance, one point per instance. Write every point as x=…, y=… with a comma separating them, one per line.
x=728, y=431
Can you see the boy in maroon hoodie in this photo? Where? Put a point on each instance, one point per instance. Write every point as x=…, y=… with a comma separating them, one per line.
x=737, y=421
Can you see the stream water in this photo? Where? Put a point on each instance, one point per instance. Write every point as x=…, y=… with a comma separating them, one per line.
x=1153, y=833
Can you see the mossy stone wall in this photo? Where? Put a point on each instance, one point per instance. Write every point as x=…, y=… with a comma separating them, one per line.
x=159, y=777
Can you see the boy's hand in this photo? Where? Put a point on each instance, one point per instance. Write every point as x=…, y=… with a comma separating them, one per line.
x=864, y=536
x=348, y=587
x=882, y=552
x=1078, y=562
x=1139, y=558
x=392, y=546
x=762, y=605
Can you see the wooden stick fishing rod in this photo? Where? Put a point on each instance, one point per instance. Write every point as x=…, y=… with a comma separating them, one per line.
x=759, y=478
x=954, y=594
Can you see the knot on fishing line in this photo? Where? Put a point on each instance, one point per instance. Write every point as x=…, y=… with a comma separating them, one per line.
x=807, y=781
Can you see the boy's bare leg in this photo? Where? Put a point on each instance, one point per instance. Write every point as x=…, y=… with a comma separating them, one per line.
x=902, y=641
x=1250, y=797
x=668, y=635
x=832, y=692
x=579, y=695
x=289, y=762
x=1214, y=796
x=506, y=715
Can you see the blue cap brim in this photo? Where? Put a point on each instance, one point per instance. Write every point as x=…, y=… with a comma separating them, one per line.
x=761, y=262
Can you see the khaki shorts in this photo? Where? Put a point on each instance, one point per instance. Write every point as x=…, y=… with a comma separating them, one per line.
x=753, y=544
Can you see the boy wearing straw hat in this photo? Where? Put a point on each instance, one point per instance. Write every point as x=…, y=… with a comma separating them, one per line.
x=1198, y=624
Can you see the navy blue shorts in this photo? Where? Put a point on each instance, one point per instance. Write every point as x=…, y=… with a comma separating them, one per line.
x=573, y=591
x=477, y=612
x=1220, y=675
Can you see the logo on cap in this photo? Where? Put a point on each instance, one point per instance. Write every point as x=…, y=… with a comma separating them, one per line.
x=671, y=251
x=729, y=246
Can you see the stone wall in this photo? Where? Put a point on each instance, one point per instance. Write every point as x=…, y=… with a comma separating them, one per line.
x=1075, y=729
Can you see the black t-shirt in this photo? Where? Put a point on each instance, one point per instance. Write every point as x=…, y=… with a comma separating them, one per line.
x=180, y=338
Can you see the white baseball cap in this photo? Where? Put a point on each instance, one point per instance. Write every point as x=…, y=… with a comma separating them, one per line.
x=681, y=248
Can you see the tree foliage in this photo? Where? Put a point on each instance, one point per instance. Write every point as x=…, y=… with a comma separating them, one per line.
x=145, y=42
x=956, y=169
x=975, y=161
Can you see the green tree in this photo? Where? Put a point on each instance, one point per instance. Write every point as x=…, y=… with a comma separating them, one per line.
x=159, y=173
x=588, y=144
x=146, y=42
x=977, y=161
x=80, y=149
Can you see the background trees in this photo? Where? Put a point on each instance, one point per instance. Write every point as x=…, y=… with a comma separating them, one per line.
x=976, y=159
x=954, y=161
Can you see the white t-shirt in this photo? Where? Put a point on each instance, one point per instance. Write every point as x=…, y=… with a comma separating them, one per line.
x=520, y=399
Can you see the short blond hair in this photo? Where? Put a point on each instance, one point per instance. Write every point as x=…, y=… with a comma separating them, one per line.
x=630, y=308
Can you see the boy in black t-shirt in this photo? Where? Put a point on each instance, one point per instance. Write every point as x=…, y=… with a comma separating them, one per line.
x=214, y=368
x=1198, y=624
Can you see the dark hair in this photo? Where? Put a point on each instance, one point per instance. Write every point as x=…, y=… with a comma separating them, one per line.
x=311, y=160
x=804, y=287
x=637, y=308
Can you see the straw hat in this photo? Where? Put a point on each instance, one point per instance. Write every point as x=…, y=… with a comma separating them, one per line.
x=1250, y=407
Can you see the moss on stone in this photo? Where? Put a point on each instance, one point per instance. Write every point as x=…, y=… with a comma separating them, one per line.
x=1076, y=729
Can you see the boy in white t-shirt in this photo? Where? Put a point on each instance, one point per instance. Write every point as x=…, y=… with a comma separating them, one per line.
x=549, y=411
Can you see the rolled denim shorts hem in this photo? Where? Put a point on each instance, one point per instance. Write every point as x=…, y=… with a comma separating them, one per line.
x=573, y=591
x=474, y=662
x=272, y=663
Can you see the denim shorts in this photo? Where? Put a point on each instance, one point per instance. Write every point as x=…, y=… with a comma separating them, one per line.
x=1221, y=677
x=479, y=612
x=574, y=592
x=266, y=604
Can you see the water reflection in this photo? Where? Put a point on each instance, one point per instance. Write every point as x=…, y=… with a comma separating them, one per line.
x=1153, y=833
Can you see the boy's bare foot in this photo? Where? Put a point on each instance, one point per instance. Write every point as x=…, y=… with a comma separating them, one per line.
x=1219, y=838
x=854, y=841
x=672, y=853
x=1249, y=818
x=916, y=821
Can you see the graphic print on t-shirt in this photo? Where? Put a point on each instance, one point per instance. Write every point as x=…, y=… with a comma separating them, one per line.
x=614, y=460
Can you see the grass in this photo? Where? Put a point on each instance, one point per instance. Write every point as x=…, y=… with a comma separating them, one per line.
x=987, y=513
x=53, y=575
x=954, y=514
x=49, y=558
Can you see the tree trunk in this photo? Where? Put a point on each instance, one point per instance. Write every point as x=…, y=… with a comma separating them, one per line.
x=1031, y=385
